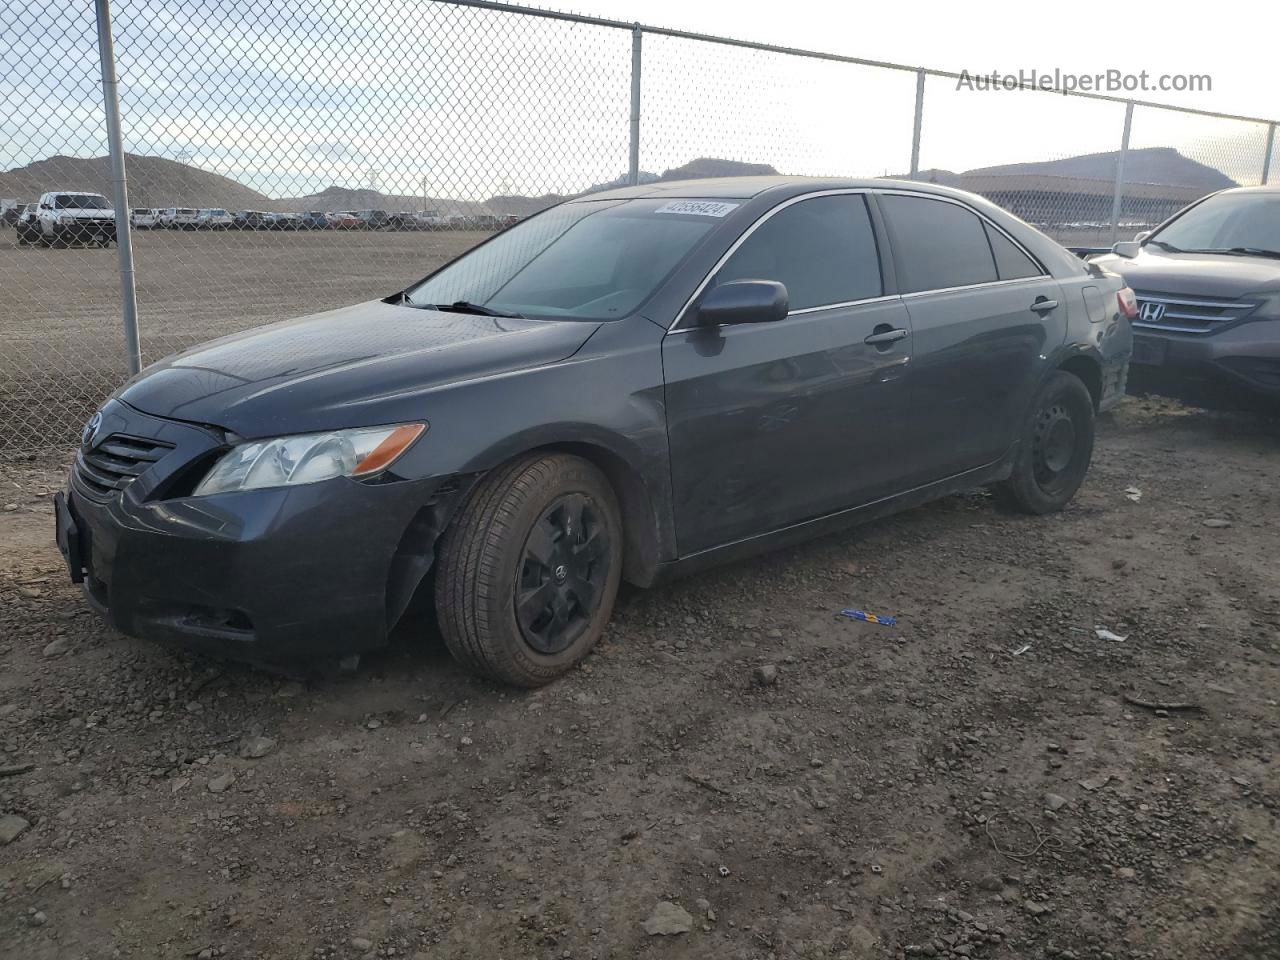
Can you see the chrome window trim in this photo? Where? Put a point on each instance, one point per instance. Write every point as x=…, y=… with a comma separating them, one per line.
x=972, y=286
x=862, y=191
x=883, y=298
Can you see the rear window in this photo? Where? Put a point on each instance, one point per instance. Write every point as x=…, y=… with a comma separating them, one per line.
x=937, y=244
x=1011, y=262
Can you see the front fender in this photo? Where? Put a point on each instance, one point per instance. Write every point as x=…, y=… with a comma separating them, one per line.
x=616, y=380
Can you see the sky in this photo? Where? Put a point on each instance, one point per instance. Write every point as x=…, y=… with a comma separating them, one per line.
x=1234, y=43
x=414, y=96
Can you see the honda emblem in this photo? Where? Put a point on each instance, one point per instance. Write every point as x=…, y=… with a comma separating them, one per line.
x=1151, y=312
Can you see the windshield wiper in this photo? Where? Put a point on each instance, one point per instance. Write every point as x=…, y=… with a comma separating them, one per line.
x=1257, y=252
x=466, y=306
x=1164, y=246
x=1240, y=251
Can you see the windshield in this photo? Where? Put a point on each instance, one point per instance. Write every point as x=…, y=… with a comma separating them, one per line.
x=1228, y=221
x=80, y=201
x=594, y=260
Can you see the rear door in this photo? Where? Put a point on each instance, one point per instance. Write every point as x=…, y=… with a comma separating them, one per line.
x=775, y=423
x=983, y=314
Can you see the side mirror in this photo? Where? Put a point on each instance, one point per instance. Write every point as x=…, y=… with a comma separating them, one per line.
x=1142, y=237
x=743, y=301
x=1127, y=249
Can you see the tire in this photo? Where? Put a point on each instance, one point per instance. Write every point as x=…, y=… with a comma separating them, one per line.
x=544, y=529
x=1054, y=448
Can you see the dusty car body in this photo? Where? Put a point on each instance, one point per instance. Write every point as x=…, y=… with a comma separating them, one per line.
x=687, y=374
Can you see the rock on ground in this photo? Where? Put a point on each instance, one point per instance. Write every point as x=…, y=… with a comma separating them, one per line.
x=11, y=826
x=667, y=920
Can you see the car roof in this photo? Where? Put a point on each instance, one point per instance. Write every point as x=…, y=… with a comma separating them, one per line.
x=744, y=188
x=1266, y=188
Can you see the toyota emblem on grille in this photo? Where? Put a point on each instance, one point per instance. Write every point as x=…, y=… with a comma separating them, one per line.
x=90, y=432
x=1151, y=312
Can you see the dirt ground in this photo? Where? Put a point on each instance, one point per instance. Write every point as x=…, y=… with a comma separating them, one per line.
x=987, y=779
x=63, y=346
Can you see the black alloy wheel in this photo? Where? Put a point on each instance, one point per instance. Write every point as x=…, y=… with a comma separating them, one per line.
x=563, y=571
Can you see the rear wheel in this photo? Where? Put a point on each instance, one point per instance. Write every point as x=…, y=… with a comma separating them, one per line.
x=1055, y=447
x=529, y=569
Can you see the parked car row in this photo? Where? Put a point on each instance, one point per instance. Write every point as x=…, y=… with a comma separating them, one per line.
x=75, y=215
x=191, y=218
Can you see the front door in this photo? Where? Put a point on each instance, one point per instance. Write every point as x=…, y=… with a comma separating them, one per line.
x=775, y=423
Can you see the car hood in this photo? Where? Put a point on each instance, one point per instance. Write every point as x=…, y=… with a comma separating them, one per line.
x=1196, y=274
x=366, y=364
x=85, y=212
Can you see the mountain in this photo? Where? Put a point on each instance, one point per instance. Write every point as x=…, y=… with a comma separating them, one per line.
x=344, y=198
x=153, y=182
x=1161, y=165
x=705, y=167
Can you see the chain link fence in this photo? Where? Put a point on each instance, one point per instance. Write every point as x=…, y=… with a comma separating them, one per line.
x=299, y=155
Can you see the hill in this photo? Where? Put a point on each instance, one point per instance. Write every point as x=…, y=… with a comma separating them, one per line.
x=153, y=182
x=345, y=198
x=1162, y=165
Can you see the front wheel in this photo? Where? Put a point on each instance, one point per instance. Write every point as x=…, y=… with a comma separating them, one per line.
x=1054, y=449
x=529, y=569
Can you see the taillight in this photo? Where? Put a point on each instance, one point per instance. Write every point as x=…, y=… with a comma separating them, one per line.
x=1128, y=303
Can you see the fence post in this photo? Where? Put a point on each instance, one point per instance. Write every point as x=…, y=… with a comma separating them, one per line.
x=633, y=165
x=1266, y=157
x=915, y=130
x=119, y=187
x=1119, y=191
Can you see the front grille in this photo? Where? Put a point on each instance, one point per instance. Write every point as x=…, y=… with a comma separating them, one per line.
x=113, y=463
x=1183, y=314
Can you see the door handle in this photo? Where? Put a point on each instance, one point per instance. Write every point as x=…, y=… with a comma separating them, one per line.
x=882, y=338
x=1044, y=305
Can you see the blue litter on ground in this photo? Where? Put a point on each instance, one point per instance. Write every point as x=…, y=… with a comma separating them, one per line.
x=869, y=617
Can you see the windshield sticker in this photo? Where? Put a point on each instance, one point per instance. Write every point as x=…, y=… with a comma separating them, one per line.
x=699, y=208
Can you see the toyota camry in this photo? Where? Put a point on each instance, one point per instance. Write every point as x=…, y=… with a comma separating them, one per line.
x=625, y=386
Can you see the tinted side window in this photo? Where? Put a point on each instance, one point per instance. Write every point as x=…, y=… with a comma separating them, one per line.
x=936, y=244
x=822, y=249
x=1011, y=263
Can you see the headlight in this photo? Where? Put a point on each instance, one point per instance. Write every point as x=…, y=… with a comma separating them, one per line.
x=309, y=458
x=65, y=218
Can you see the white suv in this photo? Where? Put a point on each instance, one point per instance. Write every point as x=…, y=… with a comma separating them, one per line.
x=61, y=217
x=213, y=219
x=180, y=218
x=146, y=218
